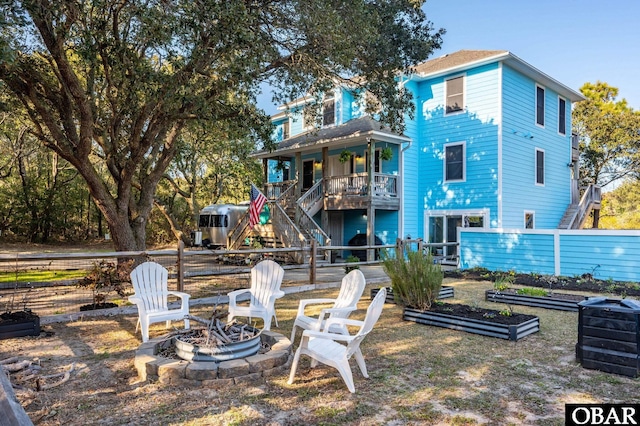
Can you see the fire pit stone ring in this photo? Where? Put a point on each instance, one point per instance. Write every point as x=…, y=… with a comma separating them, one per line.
x=153, y=367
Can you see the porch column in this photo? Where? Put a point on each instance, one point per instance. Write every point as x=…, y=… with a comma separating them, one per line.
x=324, y=216
x=265, y=173
x=298, y=174
x=371, y=212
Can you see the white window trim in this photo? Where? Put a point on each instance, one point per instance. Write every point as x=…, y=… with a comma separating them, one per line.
x=464, y=95
x=464, y=162
x=485, y=213
x=531, y=212
x=287, y=121
x=535, y=167
x=335, y=110
x=535, y=104
x=565, y=116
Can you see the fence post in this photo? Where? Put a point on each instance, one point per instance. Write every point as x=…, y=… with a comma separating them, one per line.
x=312, y=263
x=181, y=265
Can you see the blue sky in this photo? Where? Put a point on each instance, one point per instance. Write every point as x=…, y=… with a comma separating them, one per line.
x=572, y=41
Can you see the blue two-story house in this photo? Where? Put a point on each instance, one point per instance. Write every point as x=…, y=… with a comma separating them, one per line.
x=490, y=146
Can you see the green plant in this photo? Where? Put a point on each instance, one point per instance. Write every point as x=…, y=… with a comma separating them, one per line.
x=506, y=312
x=386, y=153
x=351, y=259
x=503, y=282
x=345, y=156
x=106, y=277
x=416, y=280
x=528, y=291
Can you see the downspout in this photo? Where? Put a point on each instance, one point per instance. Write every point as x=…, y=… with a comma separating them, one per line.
x=401, y=166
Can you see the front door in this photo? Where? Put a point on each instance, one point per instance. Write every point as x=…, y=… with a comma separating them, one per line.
x=307, y=175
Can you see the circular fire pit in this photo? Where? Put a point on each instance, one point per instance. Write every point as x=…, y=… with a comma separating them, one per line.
x=152, y=366
x=187, y=350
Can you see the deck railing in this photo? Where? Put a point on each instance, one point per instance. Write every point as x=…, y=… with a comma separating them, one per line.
x=358, y=184
x=274, y=190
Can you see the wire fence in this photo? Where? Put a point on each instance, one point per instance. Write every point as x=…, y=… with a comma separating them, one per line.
x=47, y=283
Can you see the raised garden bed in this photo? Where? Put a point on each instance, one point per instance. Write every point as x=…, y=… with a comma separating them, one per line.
x=445, y=293
x=18, y=324
x=558, y=301
x=486, y=322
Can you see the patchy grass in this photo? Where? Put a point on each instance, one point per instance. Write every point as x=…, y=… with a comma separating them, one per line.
x=419, y=375
x=41, y=276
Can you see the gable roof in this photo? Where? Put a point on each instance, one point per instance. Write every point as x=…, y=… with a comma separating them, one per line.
x=353, y=132
x=466, y=59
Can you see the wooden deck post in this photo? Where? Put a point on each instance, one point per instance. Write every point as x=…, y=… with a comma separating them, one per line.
x=312, y=262
x=180, y=266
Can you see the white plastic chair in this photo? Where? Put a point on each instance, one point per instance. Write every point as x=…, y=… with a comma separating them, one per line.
x=323, y=346
x=266, y=278
x=347, y=301
x=149, y=281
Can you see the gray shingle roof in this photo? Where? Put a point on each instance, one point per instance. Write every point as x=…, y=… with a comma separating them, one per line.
x=455, y=59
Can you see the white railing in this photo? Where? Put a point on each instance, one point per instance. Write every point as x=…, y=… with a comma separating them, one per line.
x=354, y=184
x=274, y=190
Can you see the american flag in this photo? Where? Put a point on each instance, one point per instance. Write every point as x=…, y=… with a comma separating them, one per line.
x=256, y=204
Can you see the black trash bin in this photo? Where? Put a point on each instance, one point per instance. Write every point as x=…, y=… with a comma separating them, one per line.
x=609, y=335
x=361, y=240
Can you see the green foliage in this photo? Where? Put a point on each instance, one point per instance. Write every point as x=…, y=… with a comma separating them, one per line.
x=528, y=291
x=351, y=259
x=416, y=280
x=345, y=155
x=503, y=282
x=105, y=277
x=386, y=153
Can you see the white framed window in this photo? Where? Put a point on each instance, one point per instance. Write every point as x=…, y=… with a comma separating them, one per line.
x=454, y=162
x=540, y=105
x=539, y=161
x=442, y=227
x=454, y=95
x=329, y=111
x=286, y=130
x=529, y=220
x=562, y=116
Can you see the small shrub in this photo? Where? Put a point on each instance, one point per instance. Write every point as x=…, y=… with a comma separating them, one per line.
x=351, y=259
x=416, y=280
x=532, y=291
x=503, y=282
x=105, y=277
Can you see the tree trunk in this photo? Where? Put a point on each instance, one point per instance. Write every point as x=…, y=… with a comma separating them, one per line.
x=596, y=218
x=175, y=228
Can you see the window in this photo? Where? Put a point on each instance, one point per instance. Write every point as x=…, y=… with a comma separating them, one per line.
x=329, y=112
x=539, y=167
x=562, y=116
x=454, y=162
x=454, y=94
x=529, y=222
x=539, y=106
x=285, y=130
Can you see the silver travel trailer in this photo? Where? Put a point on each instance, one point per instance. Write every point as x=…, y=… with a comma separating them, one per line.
x=217, y=220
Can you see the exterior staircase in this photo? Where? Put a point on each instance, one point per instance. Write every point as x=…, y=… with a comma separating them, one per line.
x=291, y=222
x=577, y=213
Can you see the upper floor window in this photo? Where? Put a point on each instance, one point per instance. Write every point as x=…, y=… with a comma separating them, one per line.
x=329, y=112
x=539, y=106
x=454, y=162
x=539, y=167
x=285, y=130
x=562, y=116
x=454, y=88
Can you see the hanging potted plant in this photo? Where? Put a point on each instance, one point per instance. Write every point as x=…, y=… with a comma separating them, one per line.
x=345, y=156
x=386, y=153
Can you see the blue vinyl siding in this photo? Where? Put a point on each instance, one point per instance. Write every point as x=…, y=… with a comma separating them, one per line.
x=602, y=253
x=354, y=223
x=387, y=226
x=521, y=137
x=412, y=183
x=477, y=127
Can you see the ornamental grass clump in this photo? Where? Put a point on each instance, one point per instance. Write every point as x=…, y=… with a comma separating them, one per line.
x=416, y=280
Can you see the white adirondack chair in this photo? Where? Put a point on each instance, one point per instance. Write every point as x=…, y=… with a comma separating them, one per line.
x=350, y=292
x=323, y=346
x=149, y=281
x=266, y=278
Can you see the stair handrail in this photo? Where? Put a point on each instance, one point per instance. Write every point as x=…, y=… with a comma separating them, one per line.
x=287, y=197
x=286, y=229
x=238, y=232
x=312, y=196
x=311, y=227
x=590, y=197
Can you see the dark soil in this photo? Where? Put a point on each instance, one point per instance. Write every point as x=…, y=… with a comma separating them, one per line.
x=584, y=282
x=482, y=314
x=93, y=306
x=16, y=317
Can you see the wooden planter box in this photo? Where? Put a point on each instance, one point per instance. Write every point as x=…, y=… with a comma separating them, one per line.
x=20, y=327
x=609, y=335
x=547, y=302
x=445, y=293
x=470, y=325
